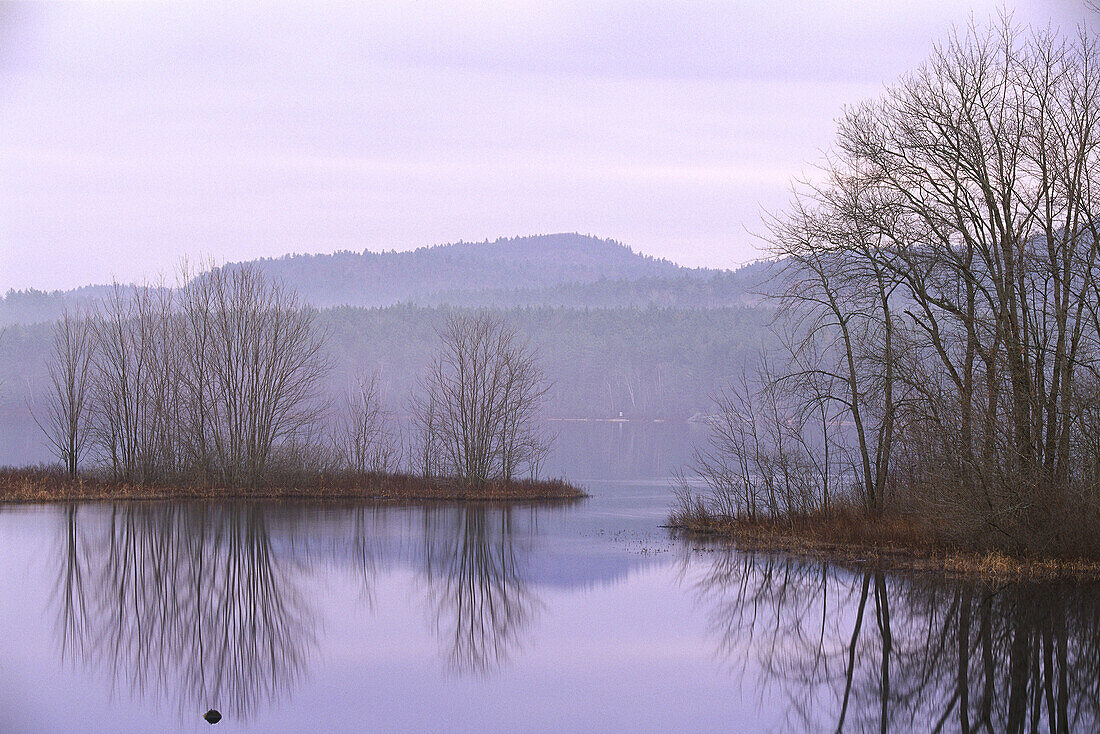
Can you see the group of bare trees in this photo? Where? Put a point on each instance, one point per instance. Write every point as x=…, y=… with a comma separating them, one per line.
x=942, y=304
x=223, y=381
x=365, y=440
x=476, y=413
x=64, y=420
x=475, y=417
x=207, y=382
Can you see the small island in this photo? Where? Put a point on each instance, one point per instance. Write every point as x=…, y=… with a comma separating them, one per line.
x=221, y=388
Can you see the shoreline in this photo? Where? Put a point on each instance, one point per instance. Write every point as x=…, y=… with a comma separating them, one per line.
x=819, y=539
x=38, y=486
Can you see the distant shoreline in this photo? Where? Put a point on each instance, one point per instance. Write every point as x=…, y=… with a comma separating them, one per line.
x=621, y=420
x=43, y=486
x=889, y=543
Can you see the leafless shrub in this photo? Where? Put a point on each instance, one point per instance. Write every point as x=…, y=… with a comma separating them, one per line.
x=762, y=458
x=364, y=441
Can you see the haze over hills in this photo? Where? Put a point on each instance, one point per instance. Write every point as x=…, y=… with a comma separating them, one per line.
x=558, y=270
x=619, y=333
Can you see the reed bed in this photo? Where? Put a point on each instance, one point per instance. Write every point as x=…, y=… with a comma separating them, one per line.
x=43, y=485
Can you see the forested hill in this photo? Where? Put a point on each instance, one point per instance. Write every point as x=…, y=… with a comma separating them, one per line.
x=559, y=270
x=693, y=290
x=418, y=276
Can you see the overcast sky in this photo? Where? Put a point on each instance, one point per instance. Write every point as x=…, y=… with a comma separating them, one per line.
x=131, y=135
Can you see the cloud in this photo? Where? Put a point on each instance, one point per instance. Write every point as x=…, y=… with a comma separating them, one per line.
x=131, y=134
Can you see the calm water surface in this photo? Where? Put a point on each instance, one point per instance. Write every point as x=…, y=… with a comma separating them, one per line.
x=291, y=617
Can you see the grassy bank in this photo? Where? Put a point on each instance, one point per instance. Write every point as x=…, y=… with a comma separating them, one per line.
x=871, y=539
x=44, y=485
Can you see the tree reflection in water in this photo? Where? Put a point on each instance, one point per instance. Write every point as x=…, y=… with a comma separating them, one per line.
x=196, y=604
x=476, y=584
x=870, y=651
x=184, y=602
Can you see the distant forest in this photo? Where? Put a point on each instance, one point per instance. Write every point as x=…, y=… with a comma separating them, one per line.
x=653, y=363
x=567, y=270
x=617, y=332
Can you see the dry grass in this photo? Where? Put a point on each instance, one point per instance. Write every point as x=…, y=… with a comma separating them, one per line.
x=45, y=485
x=883, y=540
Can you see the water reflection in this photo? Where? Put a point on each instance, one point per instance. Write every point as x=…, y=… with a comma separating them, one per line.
x=475, y=578
x=586, y=450
x=869, y=651
x=216, y=605
x=243, y=606
x=186, y=603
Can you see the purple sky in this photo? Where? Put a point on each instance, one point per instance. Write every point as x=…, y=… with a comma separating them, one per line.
x=131, y=135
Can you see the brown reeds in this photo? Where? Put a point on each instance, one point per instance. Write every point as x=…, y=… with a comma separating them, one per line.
x=848, y=534
x=47, y=485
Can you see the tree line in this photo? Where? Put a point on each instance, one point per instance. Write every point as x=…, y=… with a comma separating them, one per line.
x=221, y=382
x=941, y=351
x=644, y=363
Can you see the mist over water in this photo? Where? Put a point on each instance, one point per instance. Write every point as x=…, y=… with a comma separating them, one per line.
x=296, y=616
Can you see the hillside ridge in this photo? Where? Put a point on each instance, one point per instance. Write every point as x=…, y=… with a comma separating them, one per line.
x=566, y=269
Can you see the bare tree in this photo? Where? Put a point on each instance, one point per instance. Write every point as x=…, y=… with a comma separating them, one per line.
x=64, y=419
x=842, y=327
x=363, y=440
x=256, y=364
x=425, y=450
x=478, y=408
x=134, y=368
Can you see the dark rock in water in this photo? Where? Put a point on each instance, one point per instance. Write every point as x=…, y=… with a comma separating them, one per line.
x=212, y=716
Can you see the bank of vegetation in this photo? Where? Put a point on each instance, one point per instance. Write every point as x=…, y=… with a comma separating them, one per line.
x=939, y=376
x=215, y=388
x=51, y=484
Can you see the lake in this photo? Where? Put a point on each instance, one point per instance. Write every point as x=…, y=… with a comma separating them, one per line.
x=299, y=617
